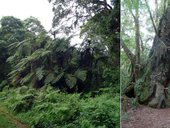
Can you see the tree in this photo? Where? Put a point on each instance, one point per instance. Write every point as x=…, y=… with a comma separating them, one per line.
x=158, y=81
x=11, y=30
x=99, y=21
x=135, y=58
x=34, y=25
x=38, y=60
x=76, y=12
x=152, y=85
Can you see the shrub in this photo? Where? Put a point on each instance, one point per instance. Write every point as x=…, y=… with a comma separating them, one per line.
x=48, y=108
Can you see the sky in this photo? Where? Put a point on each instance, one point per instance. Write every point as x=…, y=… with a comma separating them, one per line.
x=23, y=9
x=40, y=9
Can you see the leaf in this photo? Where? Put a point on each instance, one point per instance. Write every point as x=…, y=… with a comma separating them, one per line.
x=58, y=77
x=136, y=4
x=49, y=78
x=81, y=74
x=39, y=73
x=27, y=78
x=128, y=3
x=70, y=80
x=56, y=69
x=10, y=59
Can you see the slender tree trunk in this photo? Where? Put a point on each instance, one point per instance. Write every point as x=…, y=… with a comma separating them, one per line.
x=137, y=40
x=156, y=12
x=136, y=57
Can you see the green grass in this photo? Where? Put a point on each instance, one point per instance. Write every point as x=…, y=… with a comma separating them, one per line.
x=5, y=122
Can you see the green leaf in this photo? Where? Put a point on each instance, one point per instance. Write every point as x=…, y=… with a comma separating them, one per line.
x=128, y=3
x=56, y=79
x=39, y=73
x=136, y=4
x=27, y=78
x=81, y=74
x=70, y=80
x=49, y=78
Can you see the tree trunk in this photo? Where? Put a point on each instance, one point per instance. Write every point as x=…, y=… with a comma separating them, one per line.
x=153, y=87
x=134, y=58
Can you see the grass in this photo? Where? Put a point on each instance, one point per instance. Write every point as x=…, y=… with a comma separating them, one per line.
x=5, y=122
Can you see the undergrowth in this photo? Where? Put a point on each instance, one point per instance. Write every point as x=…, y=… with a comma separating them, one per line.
x=49, y=108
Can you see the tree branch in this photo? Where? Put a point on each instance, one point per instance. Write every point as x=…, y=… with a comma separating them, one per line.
x=130, y=55
x=153, y=23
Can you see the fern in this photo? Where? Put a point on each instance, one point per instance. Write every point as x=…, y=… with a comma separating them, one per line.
x=81, y=74
x=49, y=78
x=58, y=77
x=39, y=73
x=70, y=80
x=27, y=78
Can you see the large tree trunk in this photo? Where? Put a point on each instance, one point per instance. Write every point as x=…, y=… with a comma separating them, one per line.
x=153, y=86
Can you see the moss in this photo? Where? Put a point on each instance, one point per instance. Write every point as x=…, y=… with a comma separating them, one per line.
x=144, y=94
x=142, y=88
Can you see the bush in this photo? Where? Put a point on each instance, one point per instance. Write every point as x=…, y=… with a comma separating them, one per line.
x=3, y=84
x=48, y=108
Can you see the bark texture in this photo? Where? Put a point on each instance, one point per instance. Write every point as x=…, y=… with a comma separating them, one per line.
x=153, y=88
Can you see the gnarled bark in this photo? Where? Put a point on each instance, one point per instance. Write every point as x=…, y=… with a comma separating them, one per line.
x=153, y=87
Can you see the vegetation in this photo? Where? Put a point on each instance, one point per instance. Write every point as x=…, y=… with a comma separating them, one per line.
x=48, y=82
x=49, y=108
x=148, y=81
x=5, y=122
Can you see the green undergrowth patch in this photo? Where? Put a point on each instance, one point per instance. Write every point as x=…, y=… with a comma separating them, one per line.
x=5, y=121
x=50, y=108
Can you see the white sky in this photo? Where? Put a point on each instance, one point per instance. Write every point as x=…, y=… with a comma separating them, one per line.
x=23, y=9
x=40, y=9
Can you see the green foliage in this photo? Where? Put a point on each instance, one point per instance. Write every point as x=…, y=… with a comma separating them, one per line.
x=51, y=76
x=5, y=123
x=111, y=77
x=135, y=103
x=11, y=30
x=75, y=12
x=35, y=59
x=39, y=61
x=142, y=86
x=128, y=9
x=80, y=74
x=3, y=84
x=49, y=108
x=103, y=28
x=34, y=25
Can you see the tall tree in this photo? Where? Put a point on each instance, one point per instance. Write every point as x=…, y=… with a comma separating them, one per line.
x=158, y=82
x=77, y=11
x=152, y=86
x=11, y=30
x=135, y=58
x=99, y=20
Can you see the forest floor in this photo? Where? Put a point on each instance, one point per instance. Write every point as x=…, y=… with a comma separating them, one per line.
x=146, y=117
x=9, y=121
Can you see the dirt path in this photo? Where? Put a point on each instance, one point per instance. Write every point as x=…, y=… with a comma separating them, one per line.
x=146, y=117
x=12, y=119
